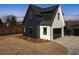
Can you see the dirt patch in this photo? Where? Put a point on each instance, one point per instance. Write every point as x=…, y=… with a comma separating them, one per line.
x=21, y=45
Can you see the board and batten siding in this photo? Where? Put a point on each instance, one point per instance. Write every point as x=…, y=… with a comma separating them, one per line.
x=42, y=36
x=38, y=31
x=58, y=23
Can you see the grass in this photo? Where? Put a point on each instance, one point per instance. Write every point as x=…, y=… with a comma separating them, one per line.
x=21, y=45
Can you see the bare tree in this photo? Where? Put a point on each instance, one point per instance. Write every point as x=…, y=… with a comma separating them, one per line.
x=11, y=21
x=7, y=22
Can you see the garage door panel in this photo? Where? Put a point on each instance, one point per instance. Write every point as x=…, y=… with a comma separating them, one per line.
x=56, y=33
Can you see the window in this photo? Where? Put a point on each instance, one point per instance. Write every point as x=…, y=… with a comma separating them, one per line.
x=58, y=16
x=30, y=30
x=45, y=31
x=46, y=16
x=30, y=15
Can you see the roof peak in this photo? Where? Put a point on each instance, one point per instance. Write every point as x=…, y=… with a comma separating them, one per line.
x=33, y=5
x=53, y=6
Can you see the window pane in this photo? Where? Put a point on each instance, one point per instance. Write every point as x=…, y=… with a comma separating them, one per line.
x=30, y=15
x=30, y=30
x=58, y=16
x=45, y=31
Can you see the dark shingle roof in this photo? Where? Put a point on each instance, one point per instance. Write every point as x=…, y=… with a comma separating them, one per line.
x=52, y=15
x=40, y=12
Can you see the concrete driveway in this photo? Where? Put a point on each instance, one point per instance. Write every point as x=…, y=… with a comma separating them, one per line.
x=71, y=43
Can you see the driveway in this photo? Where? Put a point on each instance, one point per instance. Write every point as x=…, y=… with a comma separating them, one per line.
x=71, y=43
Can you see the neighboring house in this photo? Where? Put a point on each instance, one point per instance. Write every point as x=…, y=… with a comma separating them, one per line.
x=44, y=23
x=72, y=27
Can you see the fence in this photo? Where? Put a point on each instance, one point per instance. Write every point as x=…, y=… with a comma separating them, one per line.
x=9, y=30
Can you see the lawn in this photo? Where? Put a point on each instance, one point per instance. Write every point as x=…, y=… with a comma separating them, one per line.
x=20, y=45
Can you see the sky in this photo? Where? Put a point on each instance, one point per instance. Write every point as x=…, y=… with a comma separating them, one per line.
x=68, y=9
x=20, y=9
x=13, y=9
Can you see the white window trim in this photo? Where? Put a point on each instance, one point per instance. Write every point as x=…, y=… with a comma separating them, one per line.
x=24, y=29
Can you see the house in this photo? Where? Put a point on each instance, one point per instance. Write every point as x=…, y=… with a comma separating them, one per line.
x=72, y=27
x=44, y=23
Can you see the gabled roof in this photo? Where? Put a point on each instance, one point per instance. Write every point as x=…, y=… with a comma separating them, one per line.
x=40, y=12
x=53, y=10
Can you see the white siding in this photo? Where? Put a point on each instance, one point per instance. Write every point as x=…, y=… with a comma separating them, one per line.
x=24, y=29
x=58, y=23
x=51, y=33
x=62, y=32
x=42, y=36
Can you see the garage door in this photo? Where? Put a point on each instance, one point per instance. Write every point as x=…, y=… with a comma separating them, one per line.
x=76, y=32
x=56, y=33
